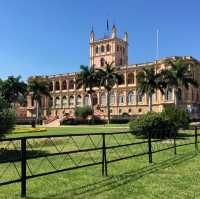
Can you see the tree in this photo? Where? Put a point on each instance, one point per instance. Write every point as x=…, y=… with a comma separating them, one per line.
x=108, y=77
x=7, y=117
x=38, y=88
x=88, y=79
x=178, y=75
x=149, y=82
x=12, y=89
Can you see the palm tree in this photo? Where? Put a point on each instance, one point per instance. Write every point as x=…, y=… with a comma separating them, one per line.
x=38, y=88
x=88, y=79
x=108, y=77
x=12, y=89
x=178, y=75
x=149, y=82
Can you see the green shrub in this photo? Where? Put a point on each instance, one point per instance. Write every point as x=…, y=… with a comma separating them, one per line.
x=83, y=112
x=180, y=117
x=155, y=124
x=7, y=118
x=94, y=121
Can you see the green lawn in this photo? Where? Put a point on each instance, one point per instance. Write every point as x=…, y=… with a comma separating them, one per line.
x=169, y=177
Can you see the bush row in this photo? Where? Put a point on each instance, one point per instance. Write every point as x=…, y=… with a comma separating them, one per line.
x=160, y=125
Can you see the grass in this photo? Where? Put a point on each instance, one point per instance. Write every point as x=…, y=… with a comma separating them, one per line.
x=169, y=177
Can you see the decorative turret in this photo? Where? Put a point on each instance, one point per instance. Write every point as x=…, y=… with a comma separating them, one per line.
x=114, y=31
x=92, y=36
x=126, y=36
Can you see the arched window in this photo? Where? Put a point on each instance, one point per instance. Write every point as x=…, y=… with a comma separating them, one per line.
x=121, y=99
x=108, y=48
x=131, y=78
x=58, y=102
x=131, y=97
x=71, y=84
x=97, y=50
x=103, y=99
x=140, y=98
x=51, y=86
x=57, y=86
x=179, y=94
x=64, y=85
x=64, y=101
x=122, y=81
x=95, y=99
x=112, y=98
x=86, y=100
x=78, y=100
x=71, y=100
x=50, y=102
x=120, y=62
x=102, y=61
x=168, y=94
x=102, y=49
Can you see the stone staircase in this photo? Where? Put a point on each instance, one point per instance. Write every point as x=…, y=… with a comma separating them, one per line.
x=53, y=122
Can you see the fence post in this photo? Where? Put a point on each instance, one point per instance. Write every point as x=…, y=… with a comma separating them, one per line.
x=104, y=159
x=149, y=148
x=103, y=156
x=175, y=143
x=196, y=136
x=23, y=167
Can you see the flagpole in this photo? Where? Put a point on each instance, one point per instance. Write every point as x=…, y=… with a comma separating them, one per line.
x=157, y=44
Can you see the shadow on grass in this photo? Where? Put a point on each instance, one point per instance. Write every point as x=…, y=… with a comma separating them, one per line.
x=14, y=155
x=113, y=182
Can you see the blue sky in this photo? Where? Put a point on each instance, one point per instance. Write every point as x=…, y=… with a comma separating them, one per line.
x=52, y=36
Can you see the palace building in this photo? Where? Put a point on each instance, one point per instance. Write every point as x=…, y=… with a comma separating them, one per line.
x=124, y=97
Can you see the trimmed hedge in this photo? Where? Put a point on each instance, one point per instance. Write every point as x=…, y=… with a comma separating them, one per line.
x=179, y=116
x=94, y=121
x=154, y=124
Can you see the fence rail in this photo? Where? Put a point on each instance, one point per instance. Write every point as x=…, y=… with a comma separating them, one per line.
x=30, y=157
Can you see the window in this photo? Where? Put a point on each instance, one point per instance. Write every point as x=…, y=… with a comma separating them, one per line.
x=120, y=61
x=117, y=48
x=168, y=94
x=97, y=50
x=64, y=101
x=78, y=100
x=112, y=99
x=131, y=78
x=71, y=84
x=95, y=99
x=64, y=85
x=71, y=100
x=58, y=102
x=131, y=97
x=141, y=98
x=103, y=99
x=86, y=100
x=102, y=61
x=108, y=48
x=102, y=49
x=51, y=86
x=129, y=110
x=50, y=102
x=179, y=94
x=122, y=82
x=121, y=99
x=57, y=86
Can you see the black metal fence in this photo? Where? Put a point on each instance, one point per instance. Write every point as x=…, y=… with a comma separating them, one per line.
x=30, y=157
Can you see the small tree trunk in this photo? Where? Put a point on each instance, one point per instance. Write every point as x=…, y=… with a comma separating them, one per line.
x=150, y=103
x=91, y=104
x=108, y=106
x=37, y=112
x=176, y=97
